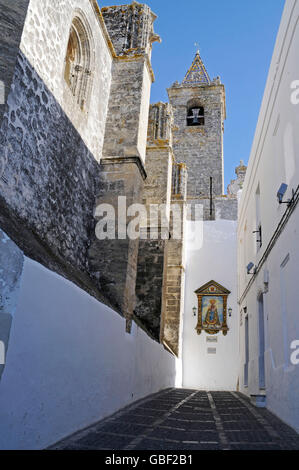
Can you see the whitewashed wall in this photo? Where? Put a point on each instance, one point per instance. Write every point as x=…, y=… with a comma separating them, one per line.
x=274, y=160
x=281, y=328
x=70, y=363
x=210, y=254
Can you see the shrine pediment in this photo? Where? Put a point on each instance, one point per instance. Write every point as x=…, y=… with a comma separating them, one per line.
x=212, y=288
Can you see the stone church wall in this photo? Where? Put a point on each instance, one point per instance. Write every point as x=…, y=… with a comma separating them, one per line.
x=151, y=267
x=122, y=164
x=50, y=149
x=12, y=19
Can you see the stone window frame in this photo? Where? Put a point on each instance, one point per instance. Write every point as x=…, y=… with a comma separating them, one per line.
x=195, y=103
x=82, y=68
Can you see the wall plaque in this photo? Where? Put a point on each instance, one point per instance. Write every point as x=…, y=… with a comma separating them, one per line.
x=211, y=350
x=212, y=339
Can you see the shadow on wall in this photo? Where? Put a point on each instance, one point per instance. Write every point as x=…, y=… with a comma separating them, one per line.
x=48, y=180
x=12, y=18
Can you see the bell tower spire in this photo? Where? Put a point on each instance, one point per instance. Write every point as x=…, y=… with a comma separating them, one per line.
x=197, y=73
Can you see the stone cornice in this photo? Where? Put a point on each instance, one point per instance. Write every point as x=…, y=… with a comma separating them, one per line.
x=136, y=57
x=162, y=147
x=123, y=160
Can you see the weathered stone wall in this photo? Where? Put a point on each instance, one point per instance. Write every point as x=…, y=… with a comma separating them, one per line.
x=174, y=270
x=173, y=299
x=221, y=207
x=44, y=44
x=125, y=131
x=12, y=19
x=114, y=261
x=130, y=28
x=122, y=165
x=200, y=147
x=49, y=178
x=149, y=285
x=160, y=275
x=226, y=208
x=50, y=147
x=157, y=191
x=160, y=122
x=159, y=155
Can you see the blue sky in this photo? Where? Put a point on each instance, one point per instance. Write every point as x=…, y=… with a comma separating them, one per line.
x=236, y=39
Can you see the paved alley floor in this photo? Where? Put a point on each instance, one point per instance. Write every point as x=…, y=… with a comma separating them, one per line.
x=180, y=419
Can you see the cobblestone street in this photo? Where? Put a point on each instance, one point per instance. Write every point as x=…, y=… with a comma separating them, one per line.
x=180, y=419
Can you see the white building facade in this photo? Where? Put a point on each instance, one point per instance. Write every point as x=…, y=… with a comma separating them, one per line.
x=210, y=362
x=268, y=257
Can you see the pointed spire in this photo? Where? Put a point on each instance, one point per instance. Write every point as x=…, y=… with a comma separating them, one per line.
x=197, y=74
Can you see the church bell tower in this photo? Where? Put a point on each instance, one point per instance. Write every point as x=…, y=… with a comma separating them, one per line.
x=199, y=112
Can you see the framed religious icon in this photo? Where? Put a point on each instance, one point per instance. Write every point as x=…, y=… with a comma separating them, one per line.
x=212, y=308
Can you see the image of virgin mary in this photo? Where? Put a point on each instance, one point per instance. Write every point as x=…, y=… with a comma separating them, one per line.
x=212, y=317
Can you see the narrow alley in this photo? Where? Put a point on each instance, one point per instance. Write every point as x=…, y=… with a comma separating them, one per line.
x=181, y=419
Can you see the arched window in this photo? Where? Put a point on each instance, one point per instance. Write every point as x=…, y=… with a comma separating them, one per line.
x=78, y=63
x=195, y=116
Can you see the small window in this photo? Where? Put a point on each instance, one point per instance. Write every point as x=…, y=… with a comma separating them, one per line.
x=195, y=116
x=77, y=72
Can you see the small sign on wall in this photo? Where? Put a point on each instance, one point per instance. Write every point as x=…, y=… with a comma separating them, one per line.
x=211, y=350
x=211, y=339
